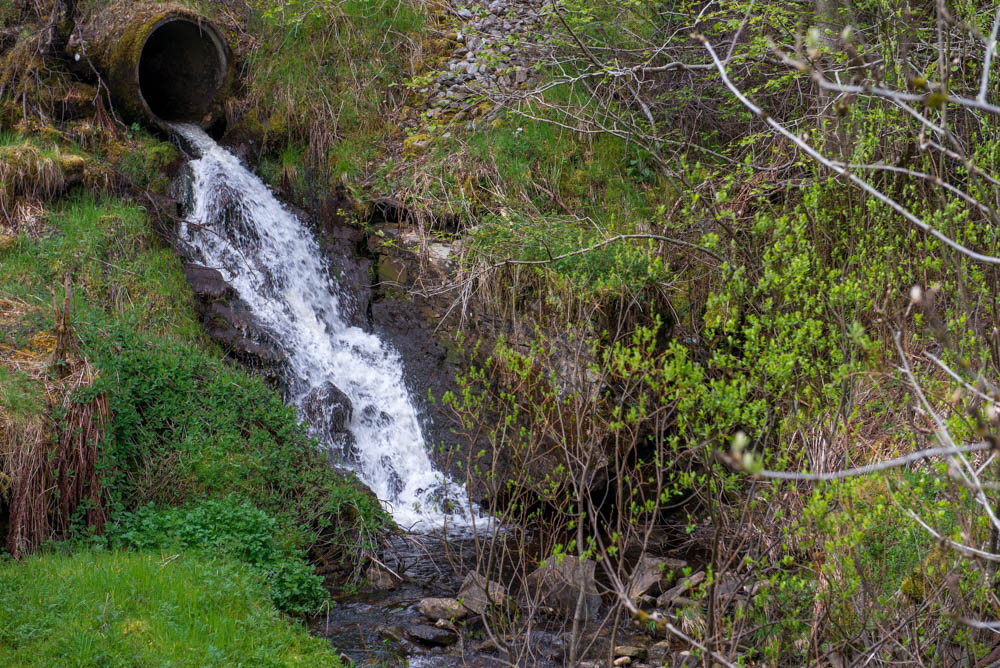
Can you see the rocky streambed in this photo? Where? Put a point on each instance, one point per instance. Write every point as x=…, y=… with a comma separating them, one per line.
x=418, y=609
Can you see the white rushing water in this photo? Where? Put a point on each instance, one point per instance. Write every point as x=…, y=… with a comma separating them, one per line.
x=274, y=263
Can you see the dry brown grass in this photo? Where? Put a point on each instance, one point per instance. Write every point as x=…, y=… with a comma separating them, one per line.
x=26, y=172
x=48, y=456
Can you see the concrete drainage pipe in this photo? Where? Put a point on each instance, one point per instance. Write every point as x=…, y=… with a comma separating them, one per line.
x=161, y=62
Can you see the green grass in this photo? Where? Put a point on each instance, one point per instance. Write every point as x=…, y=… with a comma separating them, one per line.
x=320, y=74
x=98, y=608
x=229, y=528
x=116, y=263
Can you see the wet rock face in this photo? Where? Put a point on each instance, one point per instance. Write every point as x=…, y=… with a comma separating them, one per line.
x=329, y=412
x=346, y=251
x=229, y=321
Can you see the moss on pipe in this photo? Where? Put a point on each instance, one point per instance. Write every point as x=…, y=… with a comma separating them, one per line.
x=124, y=39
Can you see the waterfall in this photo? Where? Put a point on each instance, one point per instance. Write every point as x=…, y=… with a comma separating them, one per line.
x=274, y=262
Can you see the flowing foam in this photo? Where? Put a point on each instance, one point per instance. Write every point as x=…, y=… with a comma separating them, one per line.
x=273, y=261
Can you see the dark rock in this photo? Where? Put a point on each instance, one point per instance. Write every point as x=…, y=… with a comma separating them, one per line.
x=478, y=593
x=229, y=321
x=431, y=635
x=346, y=251
x=208, y=283
x=560, y=583
x=394, y=634
x=328, y=411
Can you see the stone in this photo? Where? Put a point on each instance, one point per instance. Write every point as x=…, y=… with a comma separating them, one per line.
x=431, y=635
x=381, y=579
x=229, y=320
x=394, y=634
x=623, y=661
x=561, y=582
x=478, y=593
x=653, y=574
x=328, y=411
x=669, y=597
x=631, y=651
x=659, y=652
x=208, y=283
x=464, y=13
x=442, y=608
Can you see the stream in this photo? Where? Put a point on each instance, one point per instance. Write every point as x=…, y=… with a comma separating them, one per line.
x=274, y=262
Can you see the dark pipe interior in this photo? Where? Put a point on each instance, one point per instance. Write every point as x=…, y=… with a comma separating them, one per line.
x=180, y=70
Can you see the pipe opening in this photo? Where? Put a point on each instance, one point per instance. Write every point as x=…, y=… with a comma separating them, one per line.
x=181, y=67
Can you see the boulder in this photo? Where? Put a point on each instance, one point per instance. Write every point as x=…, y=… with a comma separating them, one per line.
x=229, y=320
x=329, y=411
x=560, y=582
x=431, y=635
x=442, y=608
x=631, y=651
x=654, y=574
x=668, y=598
x=478, y=593
x=208, y=283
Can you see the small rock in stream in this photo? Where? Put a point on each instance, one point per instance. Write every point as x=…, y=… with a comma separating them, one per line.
x=478, y=593
x=442, y=608
x=394, y=634
x=631, y=652
x=431, y=635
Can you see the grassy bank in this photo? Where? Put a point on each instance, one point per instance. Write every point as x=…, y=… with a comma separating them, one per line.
x=95, y=607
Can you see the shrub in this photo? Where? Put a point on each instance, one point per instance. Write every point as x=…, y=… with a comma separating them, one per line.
x=186, y=426
x=228, y=528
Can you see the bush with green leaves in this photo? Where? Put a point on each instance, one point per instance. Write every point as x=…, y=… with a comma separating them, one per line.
x=186, y=425
x=229, y=529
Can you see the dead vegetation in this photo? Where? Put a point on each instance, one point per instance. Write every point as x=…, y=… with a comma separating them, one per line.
x=48, y=452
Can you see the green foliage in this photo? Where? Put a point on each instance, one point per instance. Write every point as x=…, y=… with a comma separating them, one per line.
x=143, y=164
x=187, y=426
x=321, y=71
x=228, y=529
x=98, y=608
x=615, y=268
x=120, y=268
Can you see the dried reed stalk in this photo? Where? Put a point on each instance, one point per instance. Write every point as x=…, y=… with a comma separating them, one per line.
x=49, y=466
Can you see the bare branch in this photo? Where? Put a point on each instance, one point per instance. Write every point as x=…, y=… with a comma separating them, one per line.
x=861, y=183
x=991, y=47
